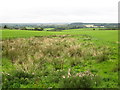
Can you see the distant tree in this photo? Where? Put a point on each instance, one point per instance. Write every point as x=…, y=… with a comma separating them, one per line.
x=42, y=29
x=5, y=27
x=36, y=28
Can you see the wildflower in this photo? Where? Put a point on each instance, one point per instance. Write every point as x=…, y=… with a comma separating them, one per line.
x=8, y=74
x=69, y=73
x=63, y=76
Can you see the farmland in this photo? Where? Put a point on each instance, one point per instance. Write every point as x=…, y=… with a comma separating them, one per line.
x=73, y=58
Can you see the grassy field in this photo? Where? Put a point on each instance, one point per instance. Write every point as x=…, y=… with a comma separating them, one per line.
x=75, y=58
x=100, y=34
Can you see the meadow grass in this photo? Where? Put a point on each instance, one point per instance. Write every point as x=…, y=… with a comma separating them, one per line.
x=109, y=35
x=76, y=58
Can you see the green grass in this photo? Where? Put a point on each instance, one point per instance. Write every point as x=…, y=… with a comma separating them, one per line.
x=29, y=28
x=108, y=35
x=22, y=33
x=101, y=44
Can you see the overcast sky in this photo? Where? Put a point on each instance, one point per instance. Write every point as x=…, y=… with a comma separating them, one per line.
x=58, y=11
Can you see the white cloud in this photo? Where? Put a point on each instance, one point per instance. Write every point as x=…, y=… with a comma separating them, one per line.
x=45, y=11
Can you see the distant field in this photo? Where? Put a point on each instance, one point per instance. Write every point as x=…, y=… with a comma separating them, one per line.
x=45, y=29
x=75, y=58
x=109, y=35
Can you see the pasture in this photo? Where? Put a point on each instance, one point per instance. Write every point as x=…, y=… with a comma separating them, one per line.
x=109, y=35
x=75, y=58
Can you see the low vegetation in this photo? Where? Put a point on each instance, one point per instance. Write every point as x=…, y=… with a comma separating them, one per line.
x=58, y=61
